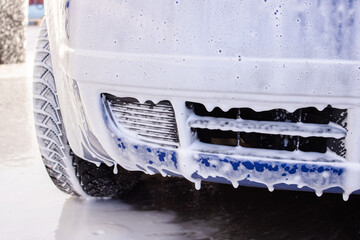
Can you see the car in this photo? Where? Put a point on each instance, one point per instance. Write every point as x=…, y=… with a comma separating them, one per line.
x=36, y=10
x=252, y=93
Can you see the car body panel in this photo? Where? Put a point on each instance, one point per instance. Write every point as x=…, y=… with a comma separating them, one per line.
x=257, y=54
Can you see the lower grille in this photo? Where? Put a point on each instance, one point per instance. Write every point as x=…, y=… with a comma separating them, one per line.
x=149, y=122
x=305, y=130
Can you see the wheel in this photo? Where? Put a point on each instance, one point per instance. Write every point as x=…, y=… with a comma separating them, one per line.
x=69, y=172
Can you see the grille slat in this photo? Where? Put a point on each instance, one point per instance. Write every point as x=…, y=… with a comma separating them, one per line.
x=151, y=112
x=135, y=116
x=145, y=107
x=284, y=128
x=248, y=153
x=160, y=128
x=151, y=123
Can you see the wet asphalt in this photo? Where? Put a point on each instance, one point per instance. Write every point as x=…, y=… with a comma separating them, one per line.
x=158, y=208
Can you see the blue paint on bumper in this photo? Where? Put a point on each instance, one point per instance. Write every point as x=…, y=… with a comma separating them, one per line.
x=246, y=171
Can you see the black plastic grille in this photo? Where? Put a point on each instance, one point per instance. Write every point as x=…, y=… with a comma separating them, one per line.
x=150, y=122
x=262, y=140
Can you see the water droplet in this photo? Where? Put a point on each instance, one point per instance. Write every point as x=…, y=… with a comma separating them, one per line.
x=318, y=193
x=115, y=169
x=163, y=173
x=198, y=185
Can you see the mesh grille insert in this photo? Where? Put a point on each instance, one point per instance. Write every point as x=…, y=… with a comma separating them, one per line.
x=149, y=122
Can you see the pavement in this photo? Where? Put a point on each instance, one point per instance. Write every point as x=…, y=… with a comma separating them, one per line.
x=31, y=207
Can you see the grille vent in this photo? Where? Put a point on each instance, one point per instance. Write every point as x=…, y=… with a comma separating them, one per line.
x=151, y=123
x=305, y=130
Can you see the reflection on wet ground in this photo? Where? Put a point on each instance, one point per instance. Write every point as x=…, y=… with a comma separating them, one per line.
x=111, y=219
x=247, y=213
x=171, y=208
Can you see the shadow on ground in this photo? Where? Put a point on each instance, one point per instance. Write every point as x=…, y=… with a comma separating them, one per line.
x=219, y=211
x=252, y=213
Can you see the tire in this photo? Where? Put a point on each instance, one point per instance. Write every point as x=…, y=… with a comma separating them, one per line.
x=69, y=173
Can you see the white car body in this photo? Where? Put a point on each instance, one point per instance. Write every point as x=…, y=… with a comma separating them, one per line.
x=258, y=54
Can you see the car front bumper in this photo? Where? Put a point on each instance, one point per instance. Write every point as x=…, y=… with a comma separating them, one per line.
x=192, y=52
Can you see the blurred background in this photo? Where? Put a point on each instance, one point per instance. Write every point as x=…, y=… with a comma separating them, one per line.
x=15, y=15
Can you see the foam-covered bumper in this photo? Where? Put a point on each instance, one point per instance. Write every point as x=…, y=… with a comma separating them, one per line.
x=175, y=53
x=197, y=166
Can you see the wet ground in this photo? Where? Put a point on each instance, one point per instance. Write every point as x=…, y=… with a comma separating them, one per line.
x=159, y=208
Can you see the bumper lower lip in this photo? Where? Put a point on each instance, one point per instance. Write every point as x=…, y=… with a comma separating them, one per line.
x=235, y=170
